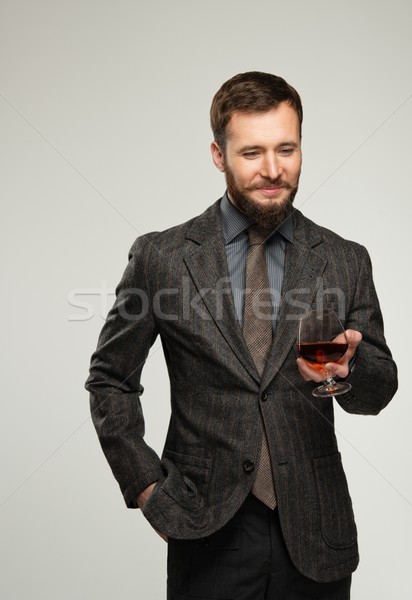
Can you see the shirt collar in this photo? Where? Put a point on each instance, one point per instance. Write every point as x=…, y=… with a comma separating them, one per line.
x=235, y=222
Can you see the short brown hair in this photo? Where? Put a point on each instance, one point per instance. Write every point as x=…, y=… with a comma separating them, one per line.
x=248, y=93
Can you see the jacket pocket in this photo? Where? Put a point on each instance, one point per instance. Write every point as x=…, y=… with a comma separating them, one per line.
x=187, y=479
x=337, y=521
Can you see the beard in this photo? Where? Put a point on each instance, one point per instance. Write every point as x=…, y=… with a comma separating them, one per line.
x=270, y=216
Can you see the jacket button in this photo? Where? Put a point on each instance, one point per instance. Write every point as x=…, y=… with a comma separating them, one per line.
x=249, y=466
x=264, y=396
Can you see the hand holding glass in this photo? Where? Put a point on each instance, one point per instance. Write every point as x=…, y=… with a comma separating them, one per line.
x=317, y=344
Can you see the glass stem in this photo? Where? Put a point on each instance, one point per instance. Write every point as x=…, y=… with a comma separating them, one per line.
x=330, y=382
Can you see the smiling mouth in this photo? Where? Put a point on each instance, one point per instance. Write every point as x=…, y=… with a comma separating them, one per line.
x=270, y=189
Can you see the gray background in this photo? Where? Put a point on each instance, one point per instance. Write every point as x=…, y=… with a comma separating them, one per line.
x=105, y=136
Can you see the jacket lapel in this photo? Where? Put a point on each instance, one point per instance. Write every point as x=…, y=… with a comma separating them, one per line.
x=207, y=265
x=303, y=271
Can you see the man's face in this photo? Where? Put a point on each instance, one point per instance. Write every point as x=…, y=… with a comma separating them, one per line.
x=262, y=162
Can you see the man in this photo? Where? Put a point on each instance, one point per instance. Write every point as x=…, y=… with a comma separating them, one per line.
x=250, y=491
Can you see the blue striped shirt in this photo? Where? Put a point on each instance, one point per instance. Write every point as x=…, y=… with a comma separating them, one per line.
x=234, y=224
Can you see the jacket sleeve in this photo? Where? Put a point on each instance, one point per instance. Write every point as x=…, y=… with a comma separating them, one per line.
x=373, y=375
x=114, y=380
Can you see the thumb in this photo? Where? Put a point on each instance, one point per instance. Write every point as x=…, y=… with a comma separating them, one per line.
x=353, y=338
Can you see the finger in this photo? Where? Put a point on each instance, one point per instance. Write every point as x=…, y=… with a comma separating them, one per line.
x=350, y=336
x=353, y=339
x=308, y=373
x=337, y=369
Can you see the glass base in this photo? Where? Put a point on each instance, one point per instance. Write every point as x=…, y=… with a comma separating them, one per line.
x=331, y=389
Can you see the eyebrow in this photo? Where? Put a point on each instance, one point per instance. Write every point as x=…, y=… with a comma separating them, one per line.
x=257, y=147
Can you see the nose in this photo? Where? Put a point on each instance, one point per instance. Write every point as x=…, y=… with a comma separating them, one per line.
x=270, y=167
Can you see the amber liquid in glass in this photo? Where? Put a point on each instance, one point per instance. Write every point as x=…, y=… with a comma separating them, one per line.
x=320, y=353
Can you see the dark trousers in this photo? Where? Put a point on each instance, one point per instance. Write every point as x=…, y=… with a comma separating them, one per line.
x=246, y=560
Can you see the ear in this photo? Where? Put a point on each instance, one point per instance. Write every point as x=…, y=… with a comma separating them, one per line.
x=217, y=156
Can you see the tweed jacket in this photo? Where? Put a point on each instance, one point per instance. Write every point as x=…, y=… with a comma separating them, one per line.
x=176, y=285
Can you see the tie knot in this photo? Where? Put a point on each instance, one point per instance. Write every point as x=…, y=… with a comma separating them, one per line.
x=257, y=235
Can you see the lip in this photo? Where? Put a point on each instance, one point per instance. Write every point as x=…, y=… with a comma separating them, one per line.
x=271, y=190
